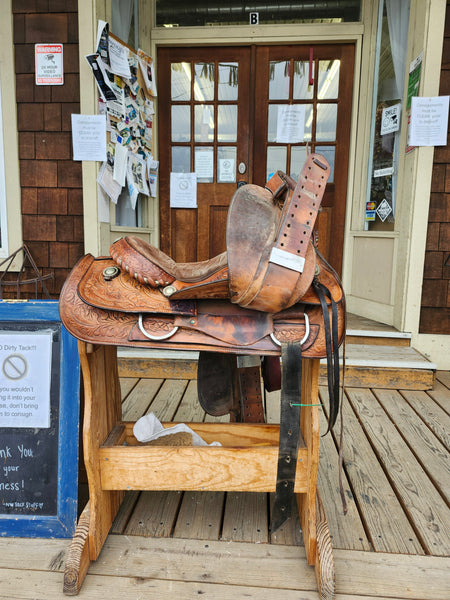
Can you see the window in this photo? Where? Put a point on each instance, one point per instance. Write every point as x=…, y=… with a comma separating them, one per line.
x=3, y=221
x=125, y=24
x=10, y=204
x=390, y=64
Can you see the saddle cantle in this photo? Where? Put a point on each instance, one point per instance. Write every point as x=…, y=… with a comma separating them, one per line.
x=270, y=261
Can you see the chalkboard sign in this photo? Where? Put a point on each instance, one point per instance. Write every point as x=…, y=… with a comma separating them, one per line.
x=39, y=416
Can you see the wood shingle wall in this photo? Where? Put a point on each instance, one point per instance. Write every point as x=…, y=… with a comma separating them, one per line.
x=435, y=311
x=51, y=184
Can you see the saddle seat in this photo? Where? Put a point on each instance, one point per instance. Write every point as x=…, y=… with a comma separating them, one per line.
x=270, y=261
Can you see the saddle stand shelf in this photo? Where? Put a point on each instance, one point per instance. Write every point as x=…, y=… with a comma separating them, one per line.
x=246, y=461
x=270, y=295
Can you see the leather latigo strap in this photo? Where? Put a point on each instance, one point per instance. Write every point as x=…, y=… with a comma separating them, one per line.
x=289, y=433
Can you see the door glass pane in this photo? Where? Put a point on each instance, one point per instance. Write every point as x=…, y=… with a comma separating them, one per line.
x=302, y=89
x=309, y=112
x=181, y=123
x=228, y=81
x=328, y=152
x=298, y=158
x=180, y=78
x=204, y=164
x=204, y=82
x=272, y=122
x=126, y=216
x=204, y=123
x=181, y=159
x=326, y=122
x=227, y=122
x=226, y=164
x=328, y=84
x=387, y=101
x=276, y=160
x=279, y=80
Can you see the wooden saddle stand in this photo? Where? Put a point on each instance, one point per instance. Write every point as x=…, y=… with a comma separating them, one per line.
x=270, y=295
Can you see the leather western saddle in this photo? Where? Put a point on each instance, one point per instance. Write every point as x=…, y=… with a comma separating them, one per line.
x=270, y=294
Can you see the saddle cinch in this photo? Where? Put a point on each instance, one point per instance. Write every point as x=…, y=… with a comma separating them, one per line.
x=270, y=294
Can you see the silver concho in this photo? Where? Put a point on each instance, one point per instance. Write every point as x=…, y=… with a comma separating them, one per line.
x=169, y=290
x=110, y=273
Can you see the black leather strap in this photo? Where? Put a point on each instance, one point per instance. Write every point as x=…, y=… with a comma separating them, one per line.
x=291, y=386
x=332, y=349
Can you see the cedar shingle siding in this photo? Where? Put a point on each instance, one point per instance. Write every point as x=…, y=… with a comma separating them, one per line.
x=51, y=185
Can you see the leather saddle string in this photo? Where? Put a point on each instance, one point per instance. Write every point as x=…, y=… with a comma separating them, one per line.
x=332, y=350
x=341, y=437
x=333, y=385
x=291, y=388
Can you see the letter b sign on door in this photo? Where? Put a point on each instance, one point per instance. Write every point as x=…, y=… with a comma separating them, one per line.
x=254, y=18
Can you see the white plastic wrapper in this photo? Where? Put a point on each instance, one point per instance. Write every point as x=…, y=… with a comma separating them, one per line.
x=149, y=428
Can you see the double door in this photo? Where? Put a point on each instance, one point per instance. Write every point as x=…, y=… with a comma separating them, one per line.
x=235, y=115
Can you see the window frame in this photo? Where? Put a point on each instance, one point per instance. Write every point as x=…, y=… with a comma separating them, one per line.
x=4, y=246
x=10, y=191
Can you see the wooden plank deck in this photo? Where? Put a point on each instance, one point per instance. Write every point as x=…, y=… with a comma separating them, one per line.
x=394, y=541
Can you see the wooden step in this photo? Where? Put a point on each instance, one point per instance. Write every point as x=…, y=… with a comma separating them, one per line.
x=388, y=367
x=378, y=338
x=366, y=365
x=366, y=331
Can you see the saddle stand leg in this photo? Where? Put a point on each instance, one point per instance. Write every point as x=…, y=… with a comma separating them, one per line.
x=325, y=572
x=78, y=561
x=316, y=535
x=102, y=410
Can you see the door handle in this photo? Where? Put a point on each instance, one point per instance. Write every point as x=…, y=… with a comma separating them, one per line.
x=241, y=183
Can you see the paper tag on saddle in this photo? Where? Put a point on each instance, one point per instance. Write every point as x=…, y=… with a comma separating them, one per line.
x=288, y=260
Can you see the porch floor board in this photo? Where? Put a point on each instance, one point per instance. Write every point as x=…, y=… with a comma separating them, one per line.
x=394, y=541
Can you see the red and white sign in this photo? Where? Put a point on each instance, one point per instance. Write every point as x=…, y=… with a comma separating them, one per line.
x=49, y=64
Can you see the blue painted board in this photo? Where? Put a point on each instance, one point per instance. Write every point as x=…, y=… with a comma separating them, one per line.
x=38, y=465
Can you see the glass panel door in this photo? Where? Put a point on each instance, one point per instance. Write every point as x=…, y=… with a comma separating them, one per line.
x=231, y=128
x=304, y=105
x=204, y=125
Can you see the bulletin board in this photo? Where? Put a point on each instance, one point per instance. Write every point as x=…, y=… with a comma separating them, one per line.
x=39, y=421
x=125, y=80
